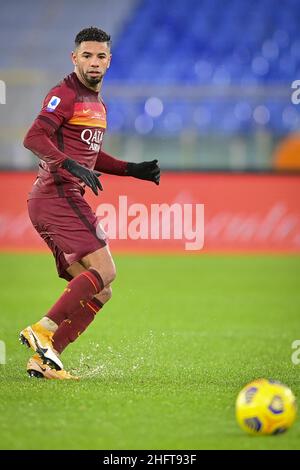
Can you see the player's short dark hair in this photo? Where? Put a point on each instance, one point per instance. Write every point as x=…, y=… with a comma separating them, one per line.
x=92, y=34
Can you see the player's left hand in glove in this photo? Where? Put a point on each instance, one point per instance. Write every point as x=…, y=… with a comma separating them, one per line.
x=89, y=177
x=148, y=171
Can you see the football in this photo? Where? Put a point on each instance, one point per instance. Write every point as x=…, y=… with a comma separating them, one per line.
x=265, y=407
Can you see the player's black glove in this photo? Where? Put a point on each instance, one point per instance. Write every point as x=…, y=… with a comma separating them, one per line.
x=149, y=171
x=89, y=177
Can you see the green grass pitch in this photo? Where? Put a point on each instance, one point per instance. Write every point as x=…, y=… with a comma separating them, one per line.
x=163, y=362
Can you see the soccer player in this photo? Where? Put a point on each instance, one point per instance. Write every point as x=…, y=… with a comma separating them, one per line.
x=67, y=137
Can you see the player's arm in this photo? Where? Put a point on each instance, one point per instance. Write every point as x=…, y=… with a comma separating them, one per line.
x=148, y=171
x=38, y=140
x=58, y=106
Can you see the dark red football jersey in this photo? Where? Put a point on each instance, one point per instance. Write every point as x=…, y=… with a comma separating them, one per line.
x=73, y=120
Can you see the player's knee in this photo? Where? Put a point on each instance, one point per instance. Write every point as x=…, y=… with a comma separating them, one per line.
x=109, y=276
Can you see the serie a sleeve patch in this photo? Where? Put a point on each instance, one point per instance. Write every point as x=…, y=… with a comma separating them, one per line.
x=53, y=103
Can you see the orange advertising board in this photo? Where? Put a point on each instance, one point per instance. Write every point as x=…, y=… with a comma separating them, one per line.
x=188, y=212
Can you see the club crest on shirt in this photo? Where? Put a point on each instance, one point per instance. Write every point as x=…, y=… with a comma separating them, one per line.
x=53, y=103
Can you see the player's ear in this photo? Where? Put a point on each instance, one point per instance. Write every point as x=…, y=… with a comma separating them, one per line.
x=110, y=56
x=74, y=58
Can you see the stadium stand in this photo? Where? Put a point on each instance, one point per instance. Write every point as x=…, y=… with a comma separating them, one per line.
x=196, y=69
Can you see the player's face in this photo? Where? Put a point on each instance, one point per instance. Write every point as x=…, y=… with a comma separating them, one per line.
x=91, y=60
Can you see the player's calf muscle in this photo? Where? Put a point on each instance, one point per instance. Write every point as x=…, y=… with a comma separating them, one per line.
x=108, y=276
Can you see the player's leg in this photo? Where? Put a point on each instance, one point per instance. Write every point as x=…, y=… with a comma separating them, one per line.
x=70, y=228
x=79, y=294
x=102, y=261
x=85, y=285
x=68, y=325
x=69, y=330
x=100, y=299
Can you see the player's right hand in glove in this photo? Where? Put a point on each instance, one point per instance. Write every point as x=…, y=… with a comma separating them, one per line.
x=89, y=177
x=148, y=171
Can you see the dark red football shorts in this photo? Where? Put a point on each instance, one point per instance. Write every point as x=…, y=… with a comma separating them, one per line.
x=69, y=227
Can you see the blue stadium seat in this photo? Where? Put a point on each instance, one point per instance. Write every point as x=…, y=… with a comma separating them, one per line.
x=195, y=42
